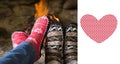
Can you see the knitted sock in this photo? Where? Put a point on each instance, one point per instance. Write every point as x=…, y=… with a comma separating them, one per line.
x=18, y=37
x=37, y=33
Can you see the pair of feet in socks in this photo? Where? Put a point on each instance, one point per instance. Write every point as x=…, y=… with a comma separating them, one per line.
x=61, y=49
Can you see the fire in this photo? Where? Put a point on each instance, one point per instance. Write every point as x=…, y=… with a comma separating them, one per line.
x=57, y=19
x=41, y=8
x=44, y=40
x=54, y=18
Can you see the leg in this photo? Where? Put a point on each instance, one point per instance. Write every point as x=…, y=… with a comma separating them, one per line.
x=70, y=45
x=54, y=45
x=21, y=50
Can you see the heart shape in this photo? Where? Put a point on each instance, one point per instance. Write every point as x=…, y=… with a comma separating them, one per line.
x=99, y=30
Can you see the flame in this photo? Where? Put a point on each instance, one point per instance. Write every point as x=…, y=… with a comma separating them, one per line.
x=53, y=17
x=44, y=40
x=57, y=19
x=41, y=8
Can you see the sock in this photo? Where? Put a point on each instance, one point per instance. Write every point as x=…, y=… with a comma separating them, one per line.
x=18, y=37
x=37, y=33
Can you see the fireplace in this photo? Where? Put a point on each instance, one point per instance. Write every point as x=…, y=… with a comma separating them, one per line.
x=16, y=15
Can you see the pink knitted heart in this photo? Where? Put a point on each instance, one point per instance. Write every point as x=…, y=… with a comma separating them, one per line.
x=99, y=30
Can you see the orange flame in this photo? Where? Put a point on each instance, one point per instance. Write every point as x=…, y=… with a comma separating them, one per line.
x=57, y=19
x=53, y=17
x=41, y=8
x=44, y=40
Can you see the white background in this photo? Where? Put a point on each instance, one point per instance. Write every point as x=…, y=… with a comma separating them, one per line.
x=107, y=52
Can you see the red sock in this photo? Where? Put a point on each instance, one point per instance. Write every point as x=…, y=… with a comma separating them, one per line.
x=37, y=33
x=18, y=37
